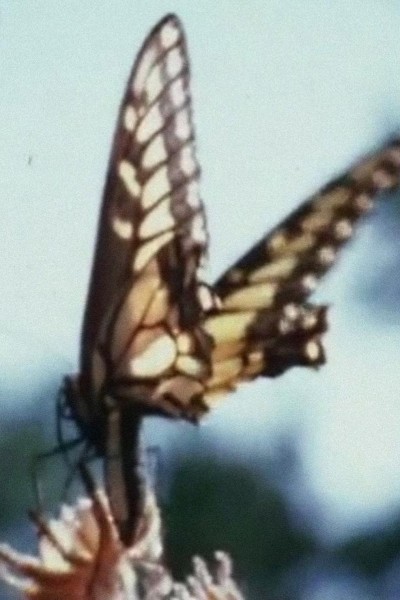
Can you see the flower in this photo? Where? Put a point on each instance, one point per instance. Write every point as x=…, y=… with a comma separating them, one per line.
x=81, y=557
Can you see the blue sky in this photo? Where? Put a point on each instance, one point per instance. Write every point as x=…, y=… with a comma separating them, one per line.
x=286, y=95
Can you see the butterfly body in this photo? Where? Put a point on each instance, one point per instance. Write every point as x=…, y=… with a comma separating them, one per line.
x=155, y=337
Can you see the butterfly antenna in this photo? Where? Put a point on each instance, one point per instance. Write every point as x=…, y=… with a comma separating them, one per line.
x=62, y=416
x=39, y=458
x=85, y=457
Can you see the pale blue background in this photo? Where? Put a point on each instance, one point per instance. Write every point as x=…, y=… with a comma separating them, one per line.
x=286, y=94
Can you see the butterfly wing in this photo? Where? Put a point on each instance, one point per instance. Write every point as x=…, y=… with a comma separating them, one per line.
x=140, y=337
x=265, y=326
x=143, y=349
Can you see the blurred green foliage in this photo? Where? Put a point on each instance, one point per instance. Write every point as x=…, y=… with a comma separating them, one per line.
x=222, y=505
x=22, y=439
x=370, y=553
x=19, y=442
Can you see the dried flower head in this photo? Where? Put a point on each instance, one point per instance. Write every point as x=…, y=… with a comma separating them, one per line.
x=82, y=558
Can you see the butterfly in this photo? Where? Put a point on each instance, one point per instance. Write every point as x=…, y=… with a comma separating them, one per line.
x=156, y=338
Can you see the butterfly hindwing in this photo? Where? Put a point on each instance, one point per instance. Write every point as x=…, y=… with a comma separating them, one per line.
x=145, y=297
x=264, y=326
x=148, y=336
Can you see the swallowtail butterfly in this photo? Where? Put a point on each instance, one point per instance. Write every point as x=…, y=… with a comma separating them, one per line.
x=156, y=339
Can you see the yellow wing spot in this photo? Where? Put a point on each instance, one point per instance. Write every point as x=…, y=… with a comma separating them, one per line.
x=127, y=173
x=154, y=83
x=188, y=365
x=182, y=127
x=158, y=309
x=227, y=350
x=156, y=358
x=291, y=311
x=150, y=249
x=130, y=118
x=205, y=297
x=229, y=327
x=330, y=201
x=257, y=296
x=225, y=372
x=184, y=343
x=277, y=242
x=363, y=202
x=393, y=154
x=155, y=153
x=382, y=179
x=214, y=397
x=317, y=221
x=256, y=362
x=312, y=350
x=187, y=161
x=309, y=282
x=343, y=229
x=169, y=35
x=278, y=269
x=252, y=370
x=365, y=169
x=193, y=194
x=177, y=93
x=145, y=64
x=198, y=231
x=285, y=326
x=256, y=356
x=157, y=186
x=123, y=229
x=150, y=124
x=326, y=255
x=296, y=245
x=309, y=321
x=152, y=269
x=158, y=220
x=202, y=273
x=174, y=62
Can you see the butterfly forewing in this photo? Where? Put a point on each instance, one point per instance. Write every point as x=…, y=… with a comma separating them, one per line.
x=145, y=297
x=265, y=327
